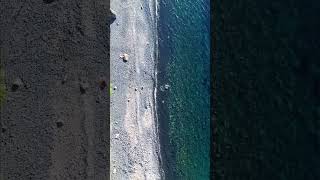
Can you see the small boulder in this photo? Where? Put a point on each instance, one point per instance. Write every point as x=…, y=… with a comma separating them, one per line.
x=64, y=80
x=124, y=57
x=166, y=87
x=16, y=84
x=59, y=124
x=3, y=129
x=102, y=84
x=83, y=87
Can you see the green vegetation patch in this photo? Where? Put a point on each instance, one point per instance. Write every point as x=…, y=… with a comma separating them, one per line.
x=110, y=89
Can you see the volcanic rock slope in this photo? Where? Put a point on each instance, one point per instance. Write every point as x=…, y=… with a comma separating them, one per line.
x=55, y=124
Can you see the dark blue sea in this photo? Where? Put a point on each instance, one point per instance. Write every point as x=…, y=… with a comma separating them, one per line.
x=266, y=89
x=184, y=88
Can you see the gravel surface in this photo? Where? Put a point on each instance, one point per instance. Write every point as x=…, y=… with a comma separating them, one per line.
x=55, y=123
x=134, y=139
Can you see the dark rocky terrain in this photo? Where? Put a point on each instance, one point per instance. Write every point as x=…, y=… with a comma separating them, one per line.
x=55, y=116
x=266, y=90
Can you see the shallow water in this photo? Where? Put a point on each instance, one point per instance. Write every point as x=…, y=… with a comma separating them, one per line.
x=184, y=108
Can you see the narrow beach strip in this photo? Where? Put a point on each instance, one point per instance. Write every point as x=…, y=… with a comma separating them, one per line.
x=135, y=152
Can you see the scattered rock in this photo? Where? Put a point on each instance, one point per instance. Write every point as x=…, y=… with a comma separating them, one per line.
x=166, y=87
x=135, y=89
x=3, y=129
x=162, y=101
x=26, y=86
x=117, y=136
x=59, y=124
x=83, y=87
x=124, y=57
x=16, y=84
x=128, y=100
x=114, y=170
x=102, y=84
x=115, y=88
x=64, y=80
x=80, y=30
x=141, y=7
x=141, y=87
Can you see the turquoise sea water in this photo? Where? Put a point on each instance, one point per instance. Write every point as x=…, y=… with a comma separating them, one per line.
x=184, y=108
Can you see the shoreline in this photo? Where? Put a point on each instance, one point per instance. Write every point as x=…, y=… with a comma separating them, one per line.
x=166, y=151
x=135, y=149
x=157, y=58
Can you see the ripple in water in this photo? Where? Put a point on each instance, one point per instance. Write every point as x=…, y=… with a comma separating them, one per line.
x=184, y=107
